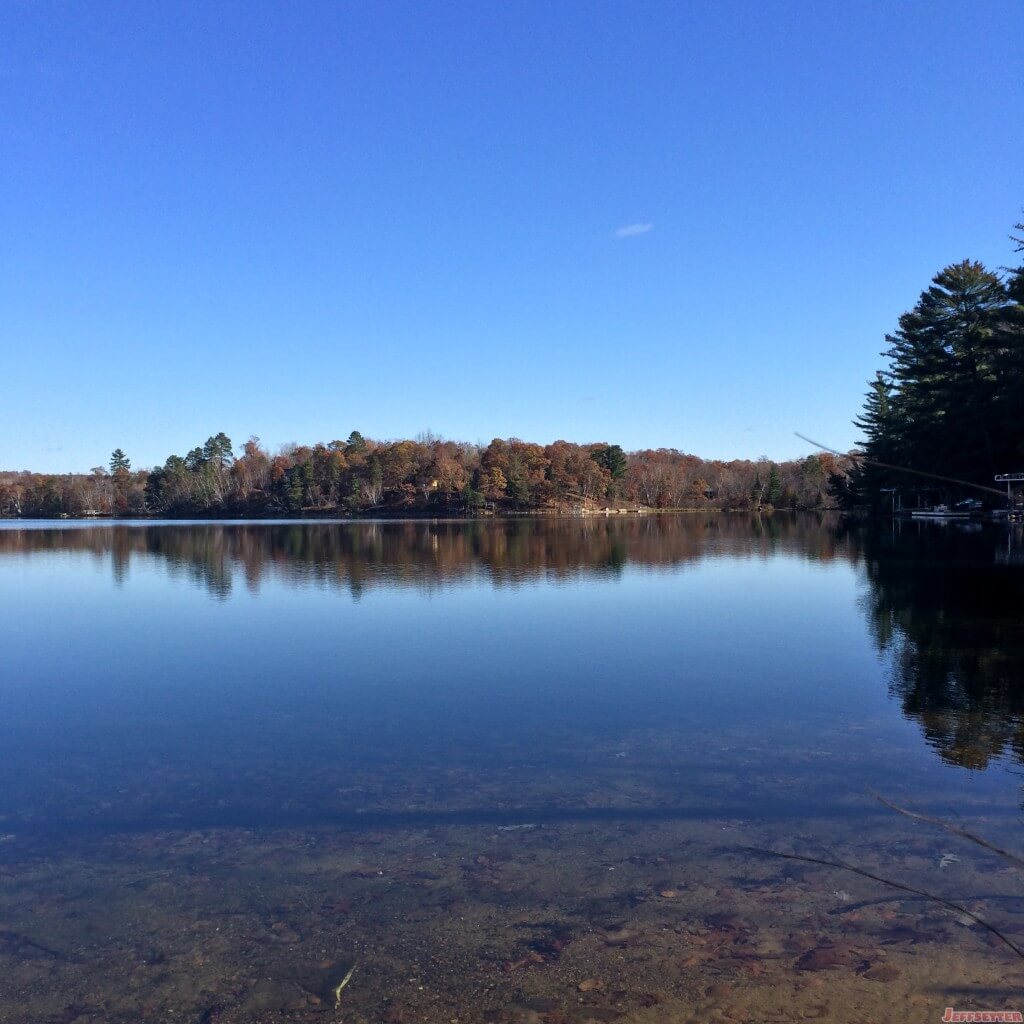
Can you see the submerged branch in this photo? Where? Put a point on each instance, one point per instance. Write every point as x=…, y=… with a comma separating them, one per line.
x=954, y=829
x=948, y=904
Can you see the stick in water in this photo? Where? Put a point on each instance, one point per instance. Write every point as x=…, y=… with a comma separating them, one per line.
x=955, y=829
x=949, y=905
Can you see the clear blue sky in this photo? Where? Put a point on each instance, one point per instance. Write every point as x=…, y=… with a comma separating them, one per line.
x=300, y=219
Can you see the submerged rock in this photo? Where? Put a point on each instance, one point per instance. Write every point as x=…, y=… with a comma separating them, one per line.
x=826, y=957
x=882, y=972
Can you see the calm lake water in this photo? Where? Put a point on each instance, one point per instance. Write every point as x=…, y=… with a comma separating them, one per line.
x=509, y=770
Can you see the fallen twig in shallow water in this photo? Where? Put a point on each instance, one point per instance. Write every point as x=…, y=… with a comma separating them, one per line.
x=16, y=939
x=853, y=908
x=337, y=990
x=843, y=866
x=955, y=829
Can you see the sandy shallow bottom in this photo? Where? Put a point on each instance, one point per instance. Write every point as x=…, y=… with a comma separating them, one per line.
x=539, y=924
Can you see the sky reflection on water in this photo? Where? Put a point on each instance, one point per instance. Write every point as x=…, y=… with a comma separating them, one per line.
x=305, y=673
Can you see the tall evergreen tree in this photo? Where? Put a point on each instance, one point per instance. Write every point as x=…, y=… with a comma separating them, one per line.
x=218, y=451
x=773, y=490
x=119, y=462
x=950, y=401
x=612, y=458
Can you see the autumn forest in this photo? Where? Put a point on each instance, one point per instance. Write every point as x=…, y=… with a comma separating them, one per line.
x=425, y=476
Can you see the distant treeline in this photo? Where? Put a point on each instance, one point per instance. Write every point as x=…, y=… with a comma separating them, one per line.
x=426, y=476
x=950, y=401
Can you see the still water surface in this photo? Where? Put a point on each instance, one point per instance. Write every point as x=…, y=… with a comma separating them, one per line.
x=473, y=758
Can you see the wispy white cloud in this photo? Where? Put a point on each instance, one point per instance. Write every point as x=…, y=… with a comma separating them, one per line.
x=632, y=230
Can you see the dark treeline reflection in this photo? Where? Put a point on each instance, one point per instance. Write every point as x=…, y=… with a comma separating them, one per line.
x=944, y=603
x=430, y=554
x=948, y=604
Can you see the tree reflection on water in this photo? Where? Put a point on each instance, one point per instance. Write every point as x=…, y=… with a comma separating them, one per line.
x=947, y=603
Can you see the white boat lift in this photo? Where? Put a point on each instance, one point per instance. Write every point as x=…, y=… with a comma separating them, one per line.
x=1014, y=502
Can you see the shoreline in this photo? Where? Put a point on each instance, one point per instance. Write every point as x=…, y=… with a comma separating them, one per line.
x=377, y=515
